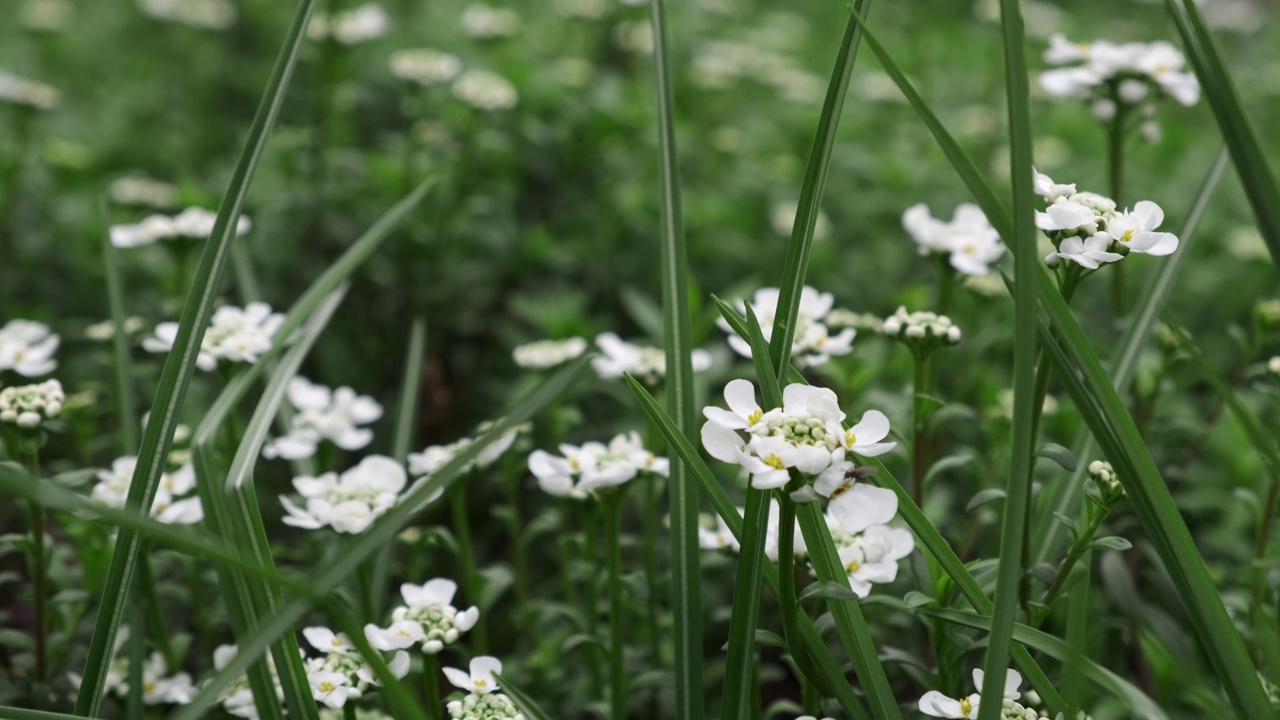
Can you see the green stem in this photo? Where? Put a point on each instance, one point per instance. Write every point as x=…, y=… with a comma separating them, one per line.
x=431, y=685
x=519, y=558
x=349, y=710
x=919, y=449
x=649, y=547
x=589, y=540
x=1078, y=550
x=467, y=560
x=617, y=666
x=787, y=579
x=946, y=282
x=1078, y=623
x=1115, y=163
x=38, y=587
x=134, y=707
x=565, y=543
x=1260, y=547
x=159, y=629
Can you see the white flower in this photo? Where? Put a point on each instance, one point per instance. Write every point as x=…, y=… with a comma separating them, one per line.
x=873, y=556
x=324, y=414
x=27, y=348
x=1048, y=189
x=192, y=223
x=1067, y=215
x=428, y=618
x=350, y=503
x=434, y=457
x=133, y=190
x=1126, y=70
x=234, y=335
x=783, y=217
x=1135, y=229
x=359, y=24
x=481, y=679
x=484, y=22
x=1087, y=253
x=548, y=353
x=330, y=688
x=1273, y=365
x=112, y=490
x=30, y=406
x=970, y=241
x=425, y=66
x=491, y=706
x=715, y=534
x=594, y=465
x=646, y=363
x=21, y=91
x=812, y=344
x=485, y=90
x=936, y=704
x=327, y=641
x=202, y=14
x=922, y=330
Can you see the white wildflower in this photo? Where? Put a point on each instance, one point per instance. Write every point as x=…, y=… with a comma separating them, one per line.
x=194, y=223
x=27, y=348
x=324, y=414
x=548, y=353
x=935, y=704
x=813, y=344
x=922, y=330
x=425, y=66
x=484, y=22
x=968, y=239
x=234, y=335
x=428, y=619
x=481, y=678
x=644, y=362
x=20, y=91
x=201, y=14
x=485, y=90
x=30, y=406
x=872, y=557
x=134, y=190
x=362, y=23
x=582, y=470
x=175, y=502
x=348, y=503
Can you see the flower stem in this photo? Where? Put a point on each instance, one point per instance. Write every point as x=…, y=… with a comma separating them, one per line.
x=787, y=581
x=589, y=539
x=649, y=546
x=1115, y=163
x=159, y=629
x=38, y=575
x=946, y=281
x=565, y=543
x=519, y=558
x=1260, y=547
x=617, y=667
x=919, y=449
x=467, y=560
x=1078, y=549
x=349, y=710
x=431, y=685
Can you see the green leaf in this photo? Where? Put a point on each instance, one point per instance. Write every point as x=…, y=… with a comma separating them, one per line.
x=682, y=494
x=179, y=367
x=1141, y=705
x=984, y=497
x=809, y=206
x=122, y=368
x=764, y=638
x=824, y=590
x=1059, y=455
x=945, y=465
x=530, y=709
x=740, y=664
x=1111, y=542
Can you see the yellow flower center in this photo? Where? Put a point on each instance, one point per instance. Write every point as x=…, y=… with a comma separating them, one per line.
x=1128, y=235
x=850, y=438
x=775, y=462
x=853, y=567
x=966, y=706
x=755, y=416
x=840, y=490
x=573, y=463
x=336, y=642
x=149, y=686
x=326, y=686
x=482, y=683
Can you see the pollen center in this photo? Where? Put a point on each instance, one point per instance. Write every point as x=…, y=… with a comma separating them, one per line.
x=755, y=416
x=966, y=706
x=775, y=462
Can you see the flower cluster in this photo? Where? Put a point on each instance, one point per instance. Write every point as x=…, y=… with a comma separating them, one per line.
x=341, y=674
x=234, y=335
x=348, y=503
x=483, y=22
x=841, y=318
x=173, y=503
x=871, y=557
x=20, y=91
x=968, y=240
x=803, y=440
x=429, y=462
x=721, y=64
x=105, y=330
x=194, y=223
x=921, y=331
x=425, y=66
x=324, y=414
x=428, y=619
x=644, y=362
x=27, y=348
x=135, y=190
x=548, y=353
x=362, y=23
x=1110, y=490
x=1088, y=229
x=30, y=406
x=483, y=702
x=1116, y=76
x=813, y=343
x=935, y=704
x=485, y=90
x=237, y=697
x=591, y=467
x=201, y=14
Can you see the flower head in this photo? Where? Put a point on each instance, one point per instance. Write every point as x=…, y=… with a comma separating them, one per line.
x=872, y=556
x=646, y=363
x=922, y=331
x=200, y=14
x=30, y=406
x=428, y=618
x=27, y=348
x=935, y=704
x=175, y=502
x=29, y=93
x=339, y=673
x=548, y=353
x=968, y=239
x=1088, y=229
x=360, y=24
x=324, y=414
x=490, y=706
x=813, y=343
x=234, y=335
x=483, y=22
x=425, y=66
x=194, y=223
x=1130, y=73
x=581, y=470
x=348, y=503
x=481, y=678
x=485, y=90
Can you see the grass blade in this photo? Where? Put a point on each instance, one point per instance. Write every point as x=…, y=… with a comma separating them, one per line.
x=811, y=191
x=121, y=366
x=530, y=709
x=179, y=367
x=1017, y=503
x=682, y=494
x=325, y=579
x=1256, y=176
x=1141, y=705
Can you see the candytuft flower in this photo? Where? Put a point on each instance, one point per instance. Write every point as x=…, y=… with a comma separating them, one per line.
x=968, y=240
x=348, y=503
x=324, y=414
x=234, y=335
x=646, y=363
x=594, y=466
x=428, y=618
x=339, y=673
x=194, y=223
x=872, y=557
x=813, y=344
x=548, y=353
x=425, y=66
x=935, y=704
x=481, y=678
x=174, y=502
x=30, y=406
x=922, y=331
x=1088, y=230
x=351, y=27
x=485, y=90
x=27, y=347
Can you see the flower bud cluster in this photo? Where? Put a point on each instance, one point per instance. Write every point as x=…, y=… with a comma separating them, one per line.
x=923, y=331
x=1089, y=229
x=425, y=66
x=1109, y=488
x=494, y=706
x=1114, y=78
x=548, y=353
x=30, y=406
x=428, y=618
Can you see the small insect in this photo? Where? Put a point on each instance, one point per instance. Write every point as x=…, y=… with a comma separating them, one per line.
x=860, y=472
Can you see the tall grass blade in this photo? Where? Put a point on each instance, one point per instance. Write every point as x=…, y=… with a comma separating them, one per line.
x=121, y=366
x=682, y=495
x=811, y=191
x=1017, y=503
x=527, y=705
x=327, y=578
x=175, y=378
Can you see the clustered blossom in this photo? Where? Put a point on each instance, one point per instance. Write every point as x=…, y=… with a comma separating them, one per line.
x=813, y=343
x=923, y=331
x=483, y=701
x=841, y=318
x=324, y=414
x=721, y=64
x=1110, y=490
x=234, y=335
x=348, y=503
x=362, y=23
x=135, y=190
x=1117, y=76
x=105, y=330
x=174, y=502
x=483, y=22
x=341, y=674
x=27, y=348
x=427, y=619
x=485, y=90
x=548, y=353
x=32, y=94
x=1088, y=229
x=434, y=457
x=968, y=240
x=30, y=406
x=594, y=466
x=158, y=686
x=194, y=223
x=201, y=14
x=871, y=557
x=804, y=440
x=425, y=66
x=935, y=704
x=644, y=362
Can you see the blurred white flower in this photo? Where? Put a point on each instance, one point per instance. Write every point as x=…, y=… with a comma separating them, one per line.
x=27, y=347
x=174, y=503
x=1124, y=72
x=644, y=362
x=481, y=678
x=486, y=706
x=134, y=190
x=362, y=23
x=921, y=330
x=584, y=9
x=30, y=93
x=783, y=217
x=202, y=14
x=484, y=22
x=1089, y=230
x=425, y=66
x=813, y=344
x=47, y=15
x=428, y=618
x=485, y=90
x=193, y=223
x=594, y=466
x=428, y=462
x=105, y=330
x=935, y=704
x=968, y=239
x=30, y=406
x=348, y=503
x=873, y=555
x=548, y=353
x=234, y=335
x=1273, y=365
x=324, y=414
